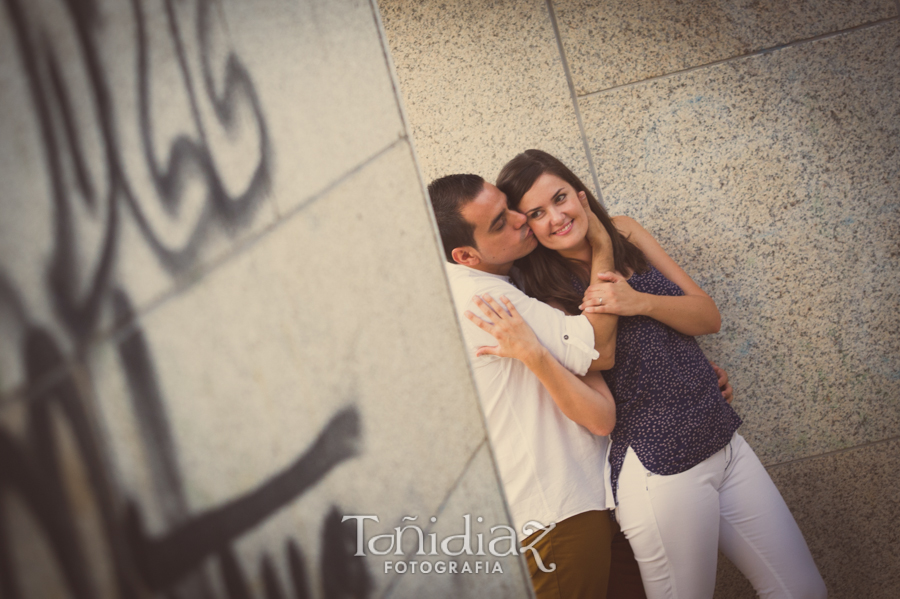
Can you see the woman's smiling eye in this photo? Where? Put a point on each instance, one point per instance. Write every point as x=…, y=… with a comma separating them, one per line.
x=560, y=198
x=535, y=213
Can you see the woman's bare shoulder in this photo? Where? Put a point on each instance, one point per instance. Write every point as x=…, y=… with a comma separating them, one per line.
x=626, y=224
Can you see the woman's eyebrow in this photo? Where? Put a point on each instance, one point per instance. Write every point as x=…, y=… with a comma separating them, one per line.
x=553, y=197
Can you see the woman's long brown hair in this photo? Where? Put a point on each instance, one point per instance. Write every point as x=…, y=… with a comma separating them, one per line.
x=546, y=275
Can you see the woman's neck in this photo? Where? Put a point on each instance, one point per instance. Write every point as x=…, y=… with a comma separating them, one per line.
x=581, y=252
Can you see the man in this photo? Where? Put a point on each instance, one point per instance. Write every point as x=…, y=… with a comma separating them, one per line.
x=552, y=467
x=548, y=448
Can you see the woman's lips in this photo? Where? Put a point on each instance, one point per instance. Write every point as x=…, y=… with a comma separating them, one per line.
x=565, y=229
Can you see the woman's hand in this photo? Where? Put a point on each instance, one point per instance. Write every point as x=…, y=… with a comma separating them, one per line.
x=693, y=313
x=597, y=235
x=613, y=295
x=515, y=337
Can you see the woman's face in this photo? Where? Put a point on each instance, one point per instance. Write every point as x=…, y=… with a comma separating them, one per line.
x=554, y=213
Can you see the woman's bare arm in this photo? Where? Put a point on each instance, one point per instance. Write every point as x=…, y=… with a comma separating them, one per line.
x=585, y=400
x=694, y=313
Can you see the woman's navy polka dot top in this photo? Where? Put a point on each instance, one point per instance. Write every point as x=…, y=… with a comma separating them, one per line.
x=669, y=408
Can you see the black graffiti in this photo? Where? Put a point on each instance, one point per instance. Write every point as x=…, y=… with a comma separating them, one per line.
x=220, y=93
x=188, y=158
x=147, y=403
x=163, y=561
x=342, y=578
x=50, y=98
x=32, y=470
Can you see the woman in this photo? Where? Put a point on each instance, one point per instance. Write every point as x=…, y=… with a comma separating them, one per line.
x=686, y=483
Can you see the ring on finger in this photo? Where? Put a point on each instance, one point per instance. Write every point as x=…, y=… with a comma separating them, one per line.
x=599, y=300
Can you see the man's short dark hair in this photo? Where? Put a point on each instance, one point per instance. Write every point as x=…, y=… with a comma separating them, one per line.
x=448, y=197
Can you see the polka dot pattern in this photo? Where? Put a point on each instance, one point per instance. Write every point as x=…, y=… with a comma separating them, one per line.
x=668, y=405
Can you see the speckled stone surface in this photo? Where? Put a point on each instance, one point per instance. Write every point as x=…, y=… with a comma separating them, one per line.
x=847, y=505
x=481, y=82
x=612, y=42
x=774, y=181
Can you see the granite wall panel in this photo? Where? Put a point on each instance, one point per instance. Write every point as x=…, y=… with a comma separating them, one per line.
x=481, y=81
x=468, y=517
x=759, y=143
x=773, y=180
x=846, y=504
x=611, y=43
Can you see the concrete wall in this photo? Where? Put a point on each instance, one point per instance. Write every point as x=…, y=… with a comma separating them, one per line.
x=760, y=143
x=224, y=321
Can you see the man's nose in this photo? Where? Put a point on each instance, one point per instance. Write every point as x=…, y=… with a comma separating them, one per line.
x=518, y=219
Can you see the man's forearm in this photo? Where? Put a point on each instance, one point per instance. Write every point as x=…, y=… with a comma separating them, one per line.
x=604, y=325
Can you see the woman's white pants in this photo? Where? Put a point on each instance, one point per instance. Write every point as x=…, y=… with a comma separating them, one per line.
x=676, y=524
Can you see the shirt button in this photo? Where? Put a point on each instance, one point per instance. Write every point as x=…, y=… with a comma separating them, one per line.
x=565, y=337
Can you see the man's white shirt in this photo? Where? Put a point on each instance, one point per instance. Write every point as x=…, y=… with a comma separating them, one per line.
x=551, y=467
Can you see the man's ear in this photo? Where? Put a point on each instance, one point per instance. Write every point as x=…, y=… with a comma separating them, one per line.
x=466, y=255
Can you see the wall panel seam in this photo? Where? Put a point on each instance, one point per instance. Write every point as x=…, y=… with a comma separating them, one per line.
x=181, y=284
x=833, y=452
x=407, y=128
x=392, y=74
x=570, y=83
x=761, y=52
x=437, y=512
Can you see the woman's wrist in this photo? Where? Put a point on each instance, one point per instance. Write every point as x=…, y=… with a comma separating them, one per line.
x=647, y=305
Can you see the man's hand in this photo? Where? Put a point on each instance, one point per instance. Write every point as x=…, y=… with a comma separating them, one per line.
x=597, y=235
x=724, y=385
x=515, y=338
x=602, y=260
